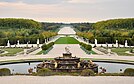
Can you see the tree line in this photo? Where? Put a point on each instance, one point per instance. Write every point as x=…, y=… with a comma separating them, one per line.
x=25, y=30
x=109, y=31
x=18, y=23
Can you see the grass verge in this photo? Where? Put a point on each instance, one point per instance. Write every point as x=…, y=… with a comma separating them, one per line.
x=122, y=51
x=12, y=51
x=66, y=40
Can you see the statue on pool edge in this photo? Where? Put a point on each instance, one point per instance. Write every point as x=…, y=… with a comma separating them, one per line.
x=67, y=49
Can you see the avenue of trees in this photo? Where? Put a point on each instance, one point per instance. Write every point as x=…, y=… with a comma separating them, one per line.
x=83, y=26
x=51, y=26
x=108, y=31
x=25, y=30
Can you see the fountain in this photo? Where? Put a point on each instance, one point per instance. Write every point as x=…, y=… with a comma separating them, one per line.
x=68, y=63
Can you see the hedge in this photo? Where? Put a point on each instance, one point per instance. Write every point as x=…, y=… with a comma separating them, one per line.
x=5, y=72
x=45, y=47
x=86, y=46
x=44, y=72
x=129, y=72
x=87, y=72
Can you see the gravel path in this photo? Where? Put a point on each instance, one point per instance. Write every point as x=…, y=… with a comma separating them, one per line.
x=66, y=80
x=75, y=49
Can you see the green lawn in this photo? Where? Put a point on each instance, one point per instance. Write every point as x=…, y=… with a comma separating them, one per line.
x=11, y=51
x=93, y=52
x=121, y=51
x=44, y=52
x=66, y=40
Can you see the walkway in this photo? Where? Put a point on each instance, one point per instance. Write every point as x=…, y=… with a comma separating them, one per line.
x=66, y=80
x=58, y=49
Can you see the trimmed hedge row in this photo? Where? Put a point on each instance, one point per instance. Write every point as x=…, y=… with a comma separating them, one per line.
x=87, y=72
x=86, y=46
x=5, y=72
x=45, y=47
x=44, y=72
x=129, y=72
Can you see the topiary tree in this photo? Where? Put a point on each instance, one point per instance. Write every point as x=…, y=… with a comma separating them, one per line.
x=129, y=72
x=87, y=72
x=44, y=47
x=88, y=47
x=44, y=72
x=5, y=72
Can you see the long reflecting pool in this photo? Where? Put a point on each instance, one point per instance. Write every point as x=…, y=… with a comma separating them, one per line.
x=110, y=67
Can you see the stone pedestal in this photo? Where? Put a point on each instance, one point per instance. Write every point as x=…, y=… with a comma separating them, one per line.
x=25, y=51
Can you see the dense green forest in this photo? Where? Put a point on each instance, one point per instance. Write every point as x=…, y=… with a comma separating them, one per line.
x=108, y=31
x=18, y=23
x=51, y=26
x=26, y=30
x=115, y=24
x=82, y=26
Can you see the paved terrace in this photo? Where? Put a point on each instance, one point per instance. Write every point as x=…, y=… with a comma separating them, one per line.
x=66, y=80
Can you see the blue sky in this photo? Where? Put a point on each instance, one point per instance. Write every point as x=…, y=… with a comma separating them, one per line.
x=67, y=10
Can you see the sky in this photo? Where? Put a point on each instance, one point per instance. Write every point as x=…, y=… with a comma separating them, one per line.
x=67, y=10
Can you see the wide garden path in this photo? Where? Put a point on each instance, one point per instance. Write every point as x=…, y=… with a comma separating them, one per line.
x=75, y=49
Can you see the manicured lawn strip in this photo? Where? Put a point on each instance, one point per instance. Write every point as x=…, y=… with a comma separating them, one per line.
x=88, y=52
x=41, y=52
x=93, y=52
x=12, y=51
x=66, y=40
x=44, y=51
x=121, y=51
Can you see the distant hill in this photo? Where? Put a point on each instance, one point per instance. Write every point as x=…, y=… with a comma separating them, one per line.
x=6, y=23
x=115, y=24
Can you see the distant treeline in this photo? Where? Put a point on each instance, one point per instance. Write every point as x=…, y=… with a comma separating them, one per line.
x=108, y=31
x=26, y=30
x=8, y=23
x=51, y=26
x=108, y=24
x=82, y=26
x=115, y=24
x=18, y=23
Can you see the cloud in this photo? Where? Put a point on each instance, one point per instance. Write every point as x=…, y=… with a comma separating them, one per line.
x=35, y=1
x=66, y=10
x=87, y=1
